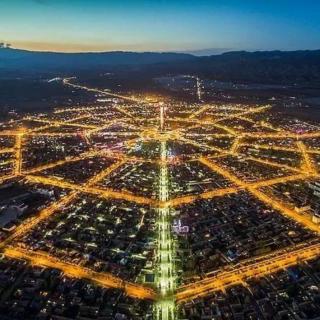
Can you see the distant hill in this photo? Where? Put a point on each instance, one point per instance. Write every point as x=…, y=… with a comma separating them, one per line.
x=31, y=60
x=262, y=67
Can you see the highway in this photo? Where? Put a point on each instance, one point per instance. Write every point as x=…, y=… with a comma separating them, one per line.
x=199, y=89
x=43, y=259
x=54, y=123
x=272, y=202
x=274, y=164
x=235, y=146
x=165, y=275
x=44, y=214
x=18, y=154
x=82, y=156
x=199, y=111
x=307, y=164
x=179, y=201
x=7, y=150
x=268, y=147
x=252, y=268
x=104, y=193
x=67, y=81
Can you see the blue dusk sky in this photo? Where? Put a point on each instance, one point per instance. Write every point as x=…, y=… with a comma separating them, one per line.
x=198, y=26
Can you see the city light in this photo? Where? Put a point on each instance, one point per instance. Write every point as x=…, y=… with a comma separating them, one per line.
x=247, y=161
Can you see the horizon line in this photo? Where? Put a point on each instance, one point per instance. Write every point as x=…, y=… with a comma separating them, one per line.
x=190, y=52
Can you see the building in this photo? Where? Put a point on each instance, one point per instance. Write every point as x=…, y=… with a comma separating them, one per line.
x=10, y=214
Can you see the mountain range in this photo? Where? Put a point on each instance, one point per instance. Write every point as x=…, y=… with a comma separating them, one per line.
x=260, y=66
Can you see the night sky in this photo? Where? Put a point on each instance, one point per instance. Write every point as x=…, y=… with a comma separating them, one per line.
x=199, y=26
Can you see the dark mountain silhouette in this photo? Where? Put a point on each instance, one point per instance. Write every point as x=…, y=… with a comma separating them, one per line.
x=261, y=66
x=264, y=66
x=28, y=60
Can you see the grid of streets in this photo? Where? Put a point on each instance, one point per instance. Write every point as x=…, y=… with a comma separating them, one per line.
x=233, y=144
